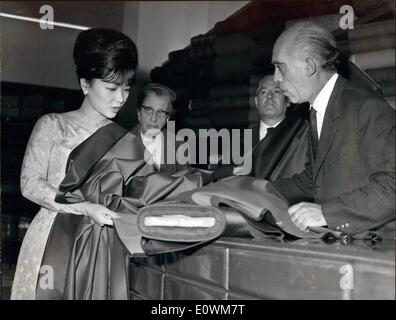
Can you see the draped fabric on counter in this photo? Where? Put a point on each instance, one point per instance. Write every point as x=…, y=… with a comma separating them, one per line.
x=90, y=262
x=108, y=168
x=241, y=206
x=245, y=205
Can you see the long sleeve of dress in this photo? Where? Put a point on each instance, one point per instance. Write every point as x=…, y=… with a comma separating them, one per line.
x=35, y=184
x=53, y=138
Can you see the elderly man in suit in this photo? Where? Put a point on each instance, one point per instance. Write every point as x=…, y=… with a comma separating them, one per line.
x=155, y=107
x=349, y=182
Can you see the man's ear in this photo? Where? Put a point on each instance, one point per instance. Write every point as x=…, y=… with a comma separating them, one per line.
x=310, y=66
x=84, y=86
x=256, y=101
x=138, y=114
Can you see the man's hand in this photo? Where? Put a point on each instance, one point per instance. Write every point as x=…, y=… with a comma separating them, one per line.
x=307, y=214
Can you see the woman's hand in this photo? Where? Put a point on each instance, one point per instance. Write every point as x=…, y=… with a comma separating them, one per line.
x=100, y=214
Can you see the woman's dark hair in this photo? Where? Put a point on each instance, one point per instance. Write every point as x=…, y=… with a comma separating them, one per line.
x=105, y=54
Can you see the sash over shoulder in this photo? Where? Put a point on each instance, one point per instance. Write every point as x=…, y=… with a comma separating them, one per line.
x=109, y=169
x=75, y=239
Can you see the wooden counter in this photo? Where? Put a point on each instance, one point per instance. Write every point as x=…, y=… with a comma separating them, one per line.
x=243, y=268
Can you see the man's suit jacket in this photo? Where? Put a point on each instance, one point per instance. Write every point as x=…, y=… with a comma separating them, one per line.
x=165, y=167
x=353, y=177
x=283, y=151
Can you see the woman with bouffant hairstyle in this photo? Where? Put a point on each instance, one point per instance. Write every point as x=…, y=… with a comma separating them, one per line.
x=105, y=62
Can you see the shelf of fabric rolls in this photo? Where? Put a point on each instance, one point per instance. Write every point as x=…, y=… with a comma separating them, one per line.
x=21, y=105
x=242, y=268
x=215, y=77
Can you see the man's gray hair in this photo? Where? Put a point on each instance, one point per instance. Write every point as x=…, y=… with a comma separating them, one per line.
x=316, y=41
x=160, y=90
x=269, y=76
x=263, y=79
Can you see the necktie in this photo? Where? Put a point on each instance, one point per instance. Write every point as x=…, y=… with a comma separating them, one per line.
x=266, y=133
x=314, y=131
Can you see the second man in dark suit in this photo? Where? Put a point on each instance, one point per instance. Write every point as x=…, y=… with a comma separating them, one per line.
x=279, y=138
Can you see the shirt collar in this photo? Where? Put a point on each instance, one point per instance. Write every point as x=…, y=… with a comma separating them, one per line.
x=322, y=99
x=263, y=125
x=148, y=140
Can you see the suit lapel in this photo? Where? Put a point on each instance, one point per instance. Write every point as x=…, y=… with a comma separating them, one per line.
x=330, y=124
x=255, y=134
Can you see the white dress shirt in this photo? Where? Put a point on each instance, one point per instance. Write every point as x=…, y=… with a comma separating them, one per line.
x=321, y=101
x=264, y=129
x=154, y=146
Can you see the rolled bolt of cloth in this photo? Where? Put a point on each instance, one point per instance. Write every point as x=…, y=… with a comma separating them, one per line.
x=330, y=21
x=227, y=67
x=232, y=91
x=375, y=29
x=232, y=103
x=374, y=59
x=231, y=44
x=368, y=44
x=223, y=118
x=261, y=52
x=387, y=88
x=197, y=121
x=382, y=74
x=255, y=78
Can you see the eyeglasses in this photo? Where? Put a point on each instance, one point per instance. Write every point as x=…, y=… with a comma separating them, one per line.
x=160, y=113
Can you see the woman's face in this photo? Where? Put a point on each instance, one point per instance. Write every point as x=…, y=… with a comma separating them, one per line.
x=106, y=98
x=154, y=112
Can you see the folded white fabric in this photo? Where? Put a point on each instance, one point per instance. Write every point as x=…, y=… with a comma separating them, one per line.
x=189, y=222
x=179, y=221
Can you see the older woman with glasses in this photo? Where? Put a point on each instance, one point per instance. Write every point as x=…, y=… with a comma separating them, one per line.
x=155, y=107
